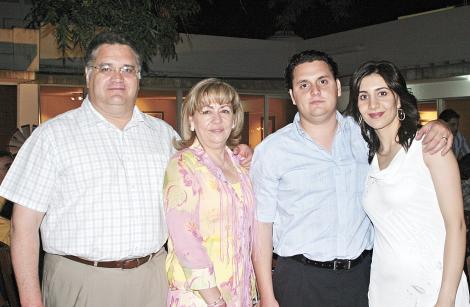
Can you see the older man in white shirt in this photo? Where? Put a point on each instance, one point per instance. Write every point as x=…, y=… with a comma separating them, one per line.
x=91, y=179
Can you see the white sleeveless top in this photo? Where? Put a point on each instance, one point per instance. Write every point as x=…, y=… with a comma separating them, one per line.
x=409, y=239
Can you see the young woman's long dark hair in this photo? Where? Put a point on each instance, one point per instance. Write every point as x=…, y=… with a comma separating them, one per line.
x=396, y=83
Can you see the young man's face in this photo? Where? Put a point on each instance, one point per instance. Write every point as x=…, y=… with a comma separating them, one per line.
x=315, y=91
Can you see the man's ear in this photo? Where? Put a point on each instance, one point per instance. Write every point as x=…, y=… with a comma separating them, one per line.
x=87, y=75
x=292, y=97
x=338, y=84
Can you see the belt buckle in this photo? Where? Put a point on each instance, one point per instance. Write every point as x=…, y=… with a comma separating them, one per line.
x=341, y=264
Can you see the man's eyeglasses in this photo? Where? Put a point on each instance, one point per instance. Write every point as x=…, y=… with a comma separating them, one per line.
x=125, y=71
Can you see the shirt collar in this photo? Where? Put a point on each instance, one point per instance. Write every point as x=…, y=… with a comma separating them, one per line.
x=197, y=148
x=204, y=158
x=339, y=118
x=93, y=117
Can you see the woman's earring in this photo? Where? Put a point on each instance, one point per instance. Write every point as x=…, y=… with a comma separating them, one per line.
x=191, y=127
x=401, y=114
x=360, y=120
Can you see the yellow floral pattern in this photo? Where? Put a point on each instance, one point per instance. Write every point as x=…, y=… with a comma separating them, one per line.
x=210, y=222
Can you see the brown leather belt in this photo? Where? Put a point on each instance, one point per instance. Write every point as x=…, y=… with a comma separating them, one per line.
x=121, y=264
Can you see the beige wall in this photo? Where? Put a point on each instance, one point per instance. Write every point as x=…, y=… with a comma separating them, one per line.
x=22, y=36
x=426, y=40
x=49, y=48
x=28, y=108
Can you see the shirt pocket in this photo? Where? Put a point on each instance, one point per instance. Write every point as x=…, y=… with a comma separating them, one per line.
x=306, y=187
x=307, y=178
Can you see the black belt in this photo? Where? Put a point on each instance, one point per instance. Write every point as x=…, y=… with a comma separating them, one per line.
x=337, y=264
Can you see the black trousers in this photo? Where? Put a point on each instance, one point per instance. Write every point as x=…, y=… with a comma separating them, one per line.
x=302, y=285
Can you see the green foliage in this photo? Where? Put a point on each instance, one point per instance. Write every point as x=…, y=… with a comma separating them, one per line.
x=151, y=24
x=292, y=10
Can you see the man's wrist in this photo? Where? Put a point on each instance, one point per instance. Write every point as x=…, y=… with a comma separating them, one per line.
x=267, y=296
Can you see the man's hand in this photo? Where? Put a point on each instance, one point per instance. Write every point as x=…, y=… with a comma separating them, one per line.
x=244, y=153
x=262, y=263
x=437, y=137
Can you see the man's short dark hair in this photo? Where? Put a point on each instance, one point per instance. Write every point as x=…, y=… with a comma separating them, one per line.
x=308, y=56
x=110, y=38
x=448, y=114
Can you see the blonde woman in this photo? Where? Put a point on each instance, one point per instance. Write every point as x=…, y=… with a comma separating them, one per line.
x=209, y=204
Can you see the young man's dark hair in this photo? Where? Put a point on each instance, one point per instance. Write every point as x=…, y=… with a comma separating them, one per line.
x=308, y=56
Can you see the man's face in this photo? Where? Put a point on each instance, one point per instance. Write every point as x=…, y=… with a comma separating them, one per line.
x=315, y=91
x=113, y=92
x=5, y=163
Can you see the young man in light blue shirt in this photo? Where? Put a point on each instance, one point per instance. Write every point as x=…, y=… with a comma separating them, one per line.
x=309, y=194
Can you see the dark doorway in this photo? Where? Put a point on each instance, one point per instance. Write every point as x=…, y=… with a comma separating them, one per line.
x=7, y=114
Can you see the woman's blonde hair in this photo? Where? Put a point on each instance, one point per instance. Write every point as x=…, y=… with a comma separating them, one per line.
x=206, y=92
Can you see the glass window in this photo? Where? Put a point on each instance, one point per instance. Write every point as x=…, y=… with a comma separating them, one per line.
x=8, y=113
x=55, y=100
x=427, y=111
x=253, y=106
x=281, y=113
x=161, y=104
x=462, y=107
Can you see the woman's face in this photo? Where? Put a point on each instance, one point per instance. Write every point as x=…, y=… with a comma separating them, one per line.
x=377, y=103
x=213, y=124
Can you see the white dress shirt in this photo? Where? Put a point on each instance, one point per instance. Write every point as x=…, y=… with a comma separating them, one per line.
x=100, y=187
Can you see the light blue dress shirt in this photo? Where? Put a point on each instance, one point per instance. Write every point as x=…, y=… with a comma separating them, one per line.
x=460, y=146
x=313, y=197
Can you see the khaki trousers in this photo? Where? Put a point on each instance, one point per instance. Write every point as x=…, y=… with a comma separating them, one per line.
x=67, y=283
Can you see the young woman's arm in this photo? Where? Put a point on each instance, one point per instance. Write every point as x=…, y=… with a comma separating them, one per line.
x=445, y=175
